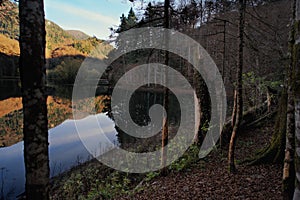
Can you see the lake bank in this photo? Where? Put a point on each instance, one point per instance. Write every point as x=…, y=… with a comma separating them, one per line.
x=187, y=178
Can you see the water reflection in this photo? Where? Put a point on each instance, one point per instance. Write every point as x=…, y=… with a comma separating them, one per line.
x=66, y=150
x=9, y=88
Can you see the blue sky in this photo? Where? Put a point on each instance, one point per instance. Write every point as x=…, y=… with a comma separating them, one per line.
x=93, y=17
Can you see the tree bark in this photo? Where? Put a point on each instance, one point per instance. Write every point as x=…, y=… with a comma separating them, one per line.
x=288, y=179
x=237, y=116
x=33, y=78
x=297, y=133
x=165, y=131
x=202, y=108
x=297, y=101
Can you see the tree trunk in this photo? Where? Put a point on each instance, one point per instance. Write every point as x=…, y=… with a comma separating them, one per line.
x=288, y=178
x=197, y=119
x=297, y=133
x=297, y=100
x=237, y=116
x=165, y=131
x=33, y=78
x=234, y=111
x=202, y=108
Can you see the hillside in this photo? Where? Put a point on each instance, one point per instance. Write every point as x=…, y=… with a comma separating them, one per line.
x=79, y=35
x=59, y=42
x=9, y=19
x=67, y=43
x=9, y=46
x=62, y=46
x=65, y=51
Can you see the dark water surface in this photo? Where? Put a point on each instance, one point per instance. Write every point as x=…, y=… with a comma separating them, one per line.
x=66, y=151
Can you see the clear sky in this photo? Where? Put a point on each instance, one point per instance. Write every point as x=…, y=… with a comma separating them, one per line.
x=94, y=17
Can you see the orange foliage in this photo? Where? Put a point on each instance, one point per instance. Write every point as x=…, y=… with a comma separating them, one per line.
x=9, y=46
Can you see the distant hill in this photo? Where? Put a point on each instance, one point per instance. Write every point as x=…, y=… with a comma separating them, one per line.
x=9, y=46
x=59, y=42
x=62, y=47
x=79, y=35
x=9, y=19
x=67, y=43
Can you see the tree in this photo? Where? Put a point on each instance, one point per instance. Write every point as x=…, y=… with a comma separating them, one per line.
x=131, y=18
x=297, y=109
x=297, y=97
x=165, y=130
x=238, y=97
x=268, y=53
x=33, y=78
x=127, y=22
x=289, y=165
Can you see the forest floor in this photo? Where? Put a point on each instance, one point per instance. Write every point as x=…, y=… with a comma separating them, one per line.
x=208, y=178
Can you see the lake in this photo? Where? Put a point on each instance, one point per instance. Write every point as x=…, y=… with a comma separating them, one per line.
x=65, y=151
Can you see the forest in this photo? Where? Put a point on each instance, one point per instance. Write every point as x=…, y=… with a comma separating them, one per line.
x=187, y=99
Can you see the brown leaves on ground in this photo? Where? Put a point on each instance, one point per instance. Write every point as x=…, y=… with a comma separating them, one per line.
x=210, y=178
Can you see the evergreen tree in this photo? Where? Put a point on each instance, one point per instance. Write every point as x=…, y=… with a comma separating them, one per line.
x=128, y=22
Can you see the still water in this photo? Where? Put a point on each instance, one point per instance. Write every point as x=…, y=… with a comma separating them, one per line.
x=65, y=151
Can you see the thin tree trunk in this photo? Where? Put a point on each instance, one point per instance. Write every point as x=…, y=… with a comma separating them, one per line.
x=33, y=73
x=239, y=89
x=234, y=111
x=289, y=165
x=197, y=119
x=297, y=133
x=165, y=131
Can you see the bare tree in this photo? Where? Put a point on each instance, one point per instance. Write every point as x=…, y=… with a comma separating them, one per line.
x=238, y=97
x=297, y=106
x=297, y=97
x=297, y=124
x=297, y=119
x=33, y=78
x=165, y=130
x=289, y=168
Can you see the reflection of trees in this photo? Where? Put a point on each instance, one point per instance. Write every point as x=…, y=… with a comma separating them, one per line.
x=140, y=103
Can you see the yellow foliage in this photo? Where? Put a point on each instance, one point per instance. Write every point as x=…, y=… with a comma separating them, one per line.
x=9, y=46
